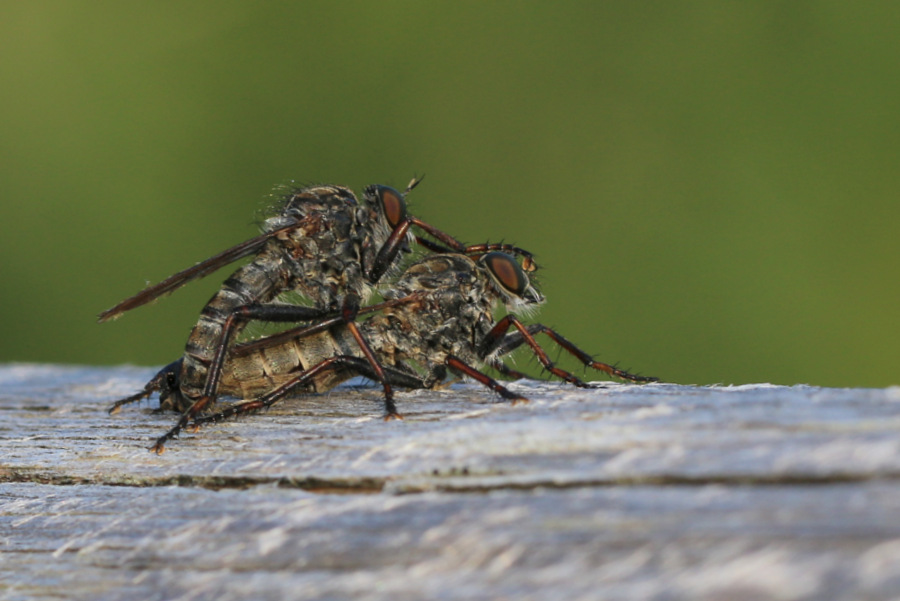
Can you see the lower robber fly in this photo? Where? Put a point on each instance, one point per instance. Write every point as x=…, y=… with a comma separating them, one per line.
x=438, y=318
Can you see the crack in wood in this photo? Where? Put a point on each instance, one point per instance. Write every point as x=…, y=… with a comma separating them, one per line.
x=312, y=484
x=458, y=482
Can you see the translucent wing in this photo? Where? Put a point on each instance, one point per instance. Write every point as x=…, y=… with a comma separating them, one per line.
x=199, y=270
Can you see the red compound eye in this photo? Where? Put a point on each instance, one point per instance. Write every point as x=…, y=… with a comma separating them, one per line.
x=393, y=204
x=507, y=272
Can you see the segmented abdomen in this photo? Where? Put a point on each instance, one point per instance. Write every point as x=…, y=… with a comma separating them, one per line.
x=260, y=372
x=256, y=282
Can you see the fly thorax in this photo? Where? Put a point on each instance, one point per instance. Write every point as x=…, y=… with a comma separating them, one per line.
x=276, y=223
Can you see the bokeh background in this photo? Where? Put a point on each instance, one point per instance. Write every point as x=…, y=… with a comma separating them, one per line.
x=712, y=188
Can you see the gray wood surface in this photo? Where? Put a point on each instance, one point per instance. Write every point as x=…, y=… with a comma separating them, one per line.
x=625, y=492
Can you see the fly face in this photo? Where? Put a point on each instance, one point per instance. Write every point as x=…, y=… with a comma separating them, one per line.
x=510, y=281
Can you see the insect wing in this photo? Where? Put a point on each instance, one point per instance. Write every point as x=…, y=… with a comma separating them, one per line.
x=200, y=270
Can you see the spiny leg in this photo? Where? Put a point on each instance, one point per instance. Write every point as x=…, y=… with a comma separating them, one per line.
x=508, y=371
x=357, y=364
x=349, y=313
x=446, y=243
x=246, y=348
x=263, y=401
x=272, y=313
x=348, y=318
x=528, y=263
x=498, y=333
x=283, y=313
x=498, y=342
x=457, y=364
x=589, y=361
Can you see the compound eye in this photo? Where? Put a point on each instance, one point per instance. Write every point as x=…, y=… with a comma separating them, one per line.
x=393, y=204
x=506, y=272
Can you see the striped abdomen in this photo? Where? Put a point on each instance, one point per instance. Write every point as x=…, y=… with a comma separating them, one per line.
x=256, y=282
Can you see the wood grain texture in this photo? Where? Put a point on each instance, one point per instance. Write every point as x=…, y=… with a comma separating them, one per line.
x=624, y=492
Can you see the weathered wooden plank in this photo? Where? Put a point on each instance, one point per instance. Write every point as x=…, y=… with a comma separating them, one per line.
x=625, y=492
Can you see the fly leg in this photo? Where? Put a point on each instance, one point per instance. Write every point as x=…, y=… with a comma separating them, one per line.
x=457, y=365
x=282, y=313
x=247, y=348
x=499, y=343
x=356, y=364
x=348, y=316
x=528, y=263
x=271, y=313
x=447, y=244
x=349, y=313
x=508, y=372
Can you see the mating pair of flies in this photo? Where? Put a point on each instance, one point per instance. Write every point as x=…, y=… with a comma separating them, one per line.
x=437, y=316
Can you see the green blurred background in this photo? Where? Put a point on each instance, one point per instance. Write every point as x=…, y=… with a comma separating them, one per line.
x=711, y=187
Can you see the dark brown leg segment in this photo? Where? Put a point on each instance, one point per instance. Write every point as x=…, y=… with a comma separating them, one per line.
x=459, y=366
x=497, y=339
x=361, y=366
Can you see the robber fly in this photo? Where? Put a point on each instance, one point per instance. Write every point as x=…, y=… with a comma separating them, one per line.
x=322, y=244
x=437, y=319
